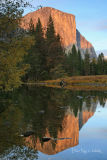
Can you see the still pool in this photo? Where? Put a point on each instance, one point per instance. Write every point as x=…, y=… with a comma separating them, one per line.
x=75, y=122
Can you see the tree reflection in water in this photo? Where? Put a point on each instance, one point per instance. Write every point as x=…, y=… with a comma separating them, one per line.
x=49, y=112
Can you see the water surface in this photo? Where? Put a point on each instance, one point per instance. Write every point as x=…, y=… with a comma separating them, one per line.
x=55, y=113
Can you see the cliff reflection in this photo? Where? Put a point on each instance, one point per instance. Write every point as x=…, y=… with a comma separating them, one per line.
x=75, y=115
x=49, y=112
x=70, y=128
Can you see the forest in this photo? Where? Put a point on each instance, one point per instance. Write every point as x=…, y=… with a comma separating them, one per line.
x=35, y=54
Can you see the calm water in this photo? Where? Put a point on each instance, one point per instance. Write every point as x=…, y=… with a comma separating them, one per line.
x=55, y=113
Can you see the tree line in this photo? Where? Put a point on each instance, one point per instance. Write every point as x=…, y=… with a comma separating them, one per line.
x=48, y=60
x=46, y=56
x=76, y=65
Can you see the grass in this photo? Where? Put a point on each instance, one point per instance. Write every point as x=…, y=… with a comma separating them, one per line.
x=79, y=82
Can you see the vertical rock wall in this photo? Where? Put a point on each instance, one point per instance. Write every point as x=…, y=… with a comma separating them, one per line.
x=65, y=26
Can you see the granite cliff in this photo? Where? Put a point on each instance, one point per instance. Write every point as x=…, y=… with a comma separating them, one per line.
x=84, y=45
x=65, y=26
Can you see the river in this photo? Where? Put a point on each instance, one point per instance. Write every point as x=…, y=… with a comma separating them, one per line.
x=75, y=122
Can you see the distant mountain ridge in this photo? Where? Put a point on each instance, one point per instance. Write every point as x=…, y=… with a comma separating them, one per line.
x=65, y=26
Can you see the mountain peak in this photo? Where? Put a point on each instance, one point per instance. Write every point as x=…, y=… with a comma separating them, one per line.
x=65, y=26
x=49, y=9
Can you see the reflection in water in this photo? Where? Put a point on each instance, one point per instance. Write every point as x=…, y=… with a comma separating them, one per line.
x=70, y=128
x=48, y=112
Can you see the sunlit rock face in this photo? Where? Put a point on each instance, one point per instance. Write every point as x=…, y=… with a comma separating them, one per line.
x=65, y=26
x=64, y=23
x=70, y=129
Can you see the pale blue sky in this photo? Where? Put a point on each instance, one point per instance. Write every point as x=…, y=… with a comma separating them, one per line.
x=91, y=17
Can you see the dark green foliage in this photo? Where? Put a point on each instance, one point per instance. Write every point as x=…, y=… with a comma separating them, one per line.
x=87, y=64
x=80, y=64
x=55, y=51
x=74, y=62
x=50, y=34
x=37, y=55
x=13, y=45
x=31, y=27
x=105, y=66
x=75, y=65
x=93, y=67
x=46, y=56
x=100, y=64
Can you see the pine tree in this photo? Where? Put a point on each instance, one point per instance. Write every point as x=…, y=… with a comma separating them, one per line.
x=105, y=66
x=80, y=63
x=31, y=27
x=13, y=45
x=93, y=67
x=55, y=51
x=50, y=34
x=74, y=61
x=68, y=64
x=51, y=42
x=100, y=64
x=87, y=63
x=37, y=55
x=40, y=51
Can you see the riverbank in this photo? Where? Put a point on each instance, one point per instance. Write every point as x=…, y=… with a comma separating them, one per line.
x=79, y=82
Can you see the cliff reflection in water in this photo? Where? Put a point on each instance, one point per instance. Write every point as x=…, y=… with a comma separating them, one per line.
x=49, y=112
x=75, y=115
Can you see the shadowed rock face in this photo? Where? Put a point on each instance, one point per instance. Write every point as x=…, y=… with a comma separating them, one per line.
x=65, y=26
x=83, y=44
x=81, y=41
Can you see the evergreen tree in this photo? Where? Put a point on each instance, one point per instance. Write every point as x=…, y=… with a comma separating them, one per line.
x=13, y=45
x=87, y=63
x=55, y=51
x=105, y=66
x=93, y=67
x=37, y=55
x=100, y=64
x=74, y=61
x=51, y=44
x=80, y=63
x=31, y=27
x=68, y=64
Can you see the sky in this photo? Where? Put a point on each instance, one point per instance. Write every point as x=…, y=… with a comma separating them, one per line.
x=91, y=18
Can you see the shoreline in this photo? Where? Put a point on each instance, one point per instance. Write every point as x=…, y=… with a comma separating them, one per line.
x=76, y=83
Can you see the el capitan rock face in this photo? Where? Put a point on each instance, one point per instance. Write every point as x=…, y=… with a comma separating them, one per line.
x=83, y=44
x=64, y=23
x=65, y=26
